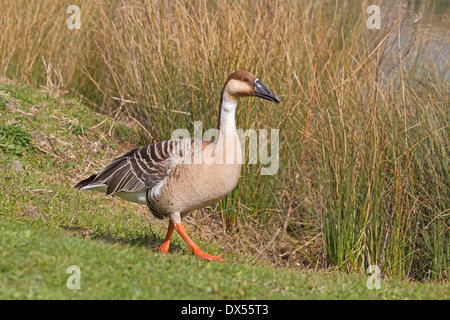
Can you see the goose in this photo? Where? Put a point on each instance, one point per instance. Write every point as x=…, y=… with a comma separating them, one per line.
x=175, y=177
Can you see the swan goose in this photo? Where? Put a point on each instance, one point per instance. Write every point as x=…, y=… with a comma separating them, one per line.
x=175, y=177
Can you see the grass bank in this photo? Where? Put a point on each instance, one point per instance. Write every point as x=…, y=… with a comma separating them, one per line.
x=46, y=225
x=34, y=265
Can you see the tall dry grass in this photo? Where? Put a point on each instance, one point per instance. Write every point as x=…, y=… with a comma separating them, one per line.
x=364, y=131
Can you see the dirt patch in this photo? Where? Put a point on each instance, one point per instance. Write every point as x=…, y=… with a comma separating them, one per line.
x=17, y=166
x=32, y=211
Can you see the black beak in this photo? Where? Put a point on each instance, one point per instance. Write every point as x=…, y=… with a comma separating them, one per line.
x=262, y=92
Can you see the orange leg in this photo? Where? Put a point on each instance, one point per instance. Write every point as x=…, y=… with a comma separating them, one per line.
x=164, y=248
x=193, y=247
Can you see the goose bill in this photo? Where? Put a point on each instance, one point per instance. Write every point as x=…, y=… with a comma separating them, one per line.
x=262, y=92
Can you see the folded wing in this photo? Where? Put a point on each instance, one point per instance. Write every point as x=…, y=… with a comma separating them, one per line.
x=138, y=169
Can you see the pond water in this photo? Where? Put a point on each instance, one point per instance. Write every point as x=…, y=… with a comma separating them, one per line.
x=424, y=37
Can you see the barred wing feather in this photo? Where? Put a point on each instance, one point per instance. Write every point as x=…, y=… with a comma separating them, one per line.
x=140, y=168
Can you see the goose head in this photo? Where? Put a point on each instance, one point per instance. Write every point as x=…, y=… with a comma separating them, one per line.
x=244, y=84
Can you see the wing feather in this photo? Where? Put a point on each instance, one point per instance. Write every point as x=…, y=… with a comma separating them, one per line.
x=138, y=169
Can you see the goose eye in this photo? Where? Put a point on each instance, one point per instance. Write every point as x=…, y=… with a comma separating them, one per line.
x=245, y=79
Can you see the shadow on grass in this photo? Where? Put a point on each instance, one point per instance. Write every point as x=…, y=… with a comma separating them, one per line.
x=151, y=241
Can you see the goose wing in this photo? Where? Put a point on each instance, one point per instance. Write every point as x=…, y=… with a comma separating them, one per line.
x=140, y=168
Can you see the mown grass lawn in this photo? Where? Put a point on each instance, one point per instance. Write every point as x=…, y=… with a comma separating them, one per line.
x=46, y=225
x=34, y=262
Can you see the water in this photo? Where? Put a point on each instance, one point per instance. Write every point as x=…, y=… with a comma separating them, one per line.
x=424, y=37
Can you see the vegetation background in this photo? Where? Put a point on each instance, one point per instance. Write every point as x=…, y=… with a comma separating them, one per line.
x=364, y=120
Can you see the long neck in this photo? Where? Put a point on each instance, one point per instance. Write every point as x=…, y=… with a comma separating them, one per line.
x=227, y=120
x=227, y=145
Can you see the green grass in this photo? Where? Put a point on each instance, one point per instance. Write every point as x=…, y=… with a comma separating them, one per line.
x=46, y=226
x=364, y=119
x=34, y=262
x=14, y=139
x=37, y=186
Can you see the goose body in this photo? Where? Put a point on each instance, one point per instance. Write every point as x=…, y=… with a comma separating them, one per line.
x=174, y=177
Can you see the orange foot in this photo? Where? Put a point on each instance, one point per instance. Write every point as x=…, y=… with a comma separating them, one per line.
x=164, y=248
x=199, y=253
x=193, y=247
